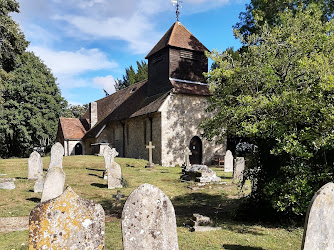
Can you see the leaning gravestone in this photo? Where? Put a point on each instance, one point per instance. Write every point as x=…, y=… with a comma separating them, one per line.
x=109, y=157
x=53, y=184
x=35, y=166
x=228, y=162
x=239, y=168
x=200, y=173
x=57, y=154
x=114, y=176
x=7, y=183
x=67, y=222
x=148, y=220
x=319, y=223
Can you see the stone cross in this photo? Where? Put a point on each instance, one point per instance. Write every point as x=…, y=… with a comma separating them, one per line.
x=57, y=154
x=150, y=163
x=35, y=166
x=148, y=220
x=228, y=162
x=118, y=196
x=67, y=222
x=319, y=223
x=187, y=153
x=53, y=184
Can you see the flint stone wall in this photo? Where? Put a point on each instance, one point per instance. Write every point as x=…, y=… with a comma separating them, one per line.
x=67, y=222
x=148, y=220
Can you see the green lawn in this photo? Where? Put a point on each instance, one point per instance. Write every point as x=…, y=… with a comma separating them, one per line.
x=83, y=174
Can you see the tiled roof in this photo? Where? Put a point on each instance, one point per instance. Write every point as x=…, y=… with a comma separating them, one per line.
x=178, y=36
x=72, y=128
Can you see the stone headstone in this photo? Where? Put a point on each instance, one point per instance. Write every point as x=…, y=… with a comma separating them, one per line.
x=109, y=157
x=35, y=166
x=114, y=176
x=39, y=184
x=67, y=222
x=57, y=154
x=228, y=162
x=150, y=148
x=239, y=168
x=187, y=153
x=53, y=184
x=7, y=183
x=319, y=223
x=148, y=220
x=200, y=173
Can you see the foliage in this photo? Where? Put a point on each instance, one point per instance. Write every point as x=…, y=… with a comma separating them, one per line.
x=32, y=105
x=75, y=111
x=259, y=12
x=132, y=76
x=280, y=97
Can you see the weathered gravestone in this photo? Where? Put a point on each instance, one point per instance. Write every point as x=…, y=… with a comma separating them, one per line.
x=109, y=158
x=319, y=223
x=200, y=173
x=187, y=153
x=148, y=220
x=7, y=183
x=39, y=184
x=57, y=154
x=53, y=184
x=67, y=222
x=228, y=162
x=150, y=148
x=239, y=168
x=114, y=176
x=35, y=166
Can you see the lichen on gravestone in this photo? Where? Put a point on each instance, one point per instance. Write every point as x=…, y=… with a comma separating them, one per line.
x=67, y=222
x=148, y=220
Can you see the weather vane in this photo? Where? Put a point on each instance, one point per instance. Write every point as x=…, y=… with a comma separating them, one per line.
x=177, y=4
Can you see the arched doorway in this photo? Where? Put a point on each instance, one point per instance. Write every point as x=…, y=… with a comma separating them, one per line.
x=78, y=149
x=195, y=147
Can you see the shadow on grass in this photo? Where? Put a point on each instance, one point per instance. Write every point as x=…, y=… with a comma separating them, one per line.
x=94, y=169
x=238, y=247
x=99, y=185
x=113, y=208
x=34, y=199
x=96, y=175
x=21, y=178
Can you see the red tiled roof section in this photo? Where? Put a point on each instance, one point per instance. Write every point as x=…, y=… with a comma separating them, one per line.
x=72, y=128
x=190, y=88
x=178, y=36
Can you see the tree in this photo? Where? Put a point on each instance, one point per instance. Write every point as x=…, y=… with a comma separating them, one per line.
x=132, y=76
x=280, y=97
x=260, y=11
x=32, y=105
x=75, y=111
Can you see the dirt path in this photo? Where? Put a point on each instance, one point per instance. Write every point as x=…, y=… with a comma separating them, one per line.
x=11, y=224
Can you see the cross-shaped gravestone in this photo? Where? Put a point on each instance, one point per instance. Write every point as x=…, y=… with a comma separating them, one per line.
x=114, y=153
x=118, y=196
x=150, y=163
x=187, y=154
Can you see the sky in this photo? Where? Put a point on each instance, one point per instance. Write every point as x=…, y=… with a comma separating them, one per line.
x=87, y=44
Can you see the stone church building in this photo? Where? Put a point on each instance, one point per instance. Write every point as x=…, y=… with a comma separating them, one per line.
x=166, y=109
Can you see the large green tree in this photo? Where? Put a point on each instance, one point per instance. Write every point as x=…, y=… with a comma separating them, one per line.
x=31, y=108
x=279, y=96
x=132, y=76
x=75, y=111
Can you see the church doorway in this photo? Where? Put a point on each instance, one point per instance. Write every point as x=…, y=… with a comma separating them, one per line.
x=78, y=149
x=195, y=147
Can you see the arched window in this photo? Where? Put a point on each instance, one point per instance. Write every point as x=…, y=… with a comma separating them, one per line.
x=195, y=147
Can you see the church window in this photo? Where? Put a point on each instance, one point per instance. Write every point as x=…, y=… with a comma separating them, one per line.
x=189, y=55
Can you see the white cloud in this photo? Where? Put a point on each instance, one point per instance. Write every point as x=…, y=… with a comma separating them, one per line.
x=71, y=63
x=107, y=83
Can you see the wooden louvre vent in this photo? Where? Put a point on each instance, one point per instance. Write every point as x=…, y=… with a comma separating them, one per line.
x=189, y=55
x=157, y=58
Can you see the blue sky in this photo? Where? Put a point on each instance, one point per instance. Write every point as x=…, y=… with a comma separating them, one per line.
x=89, y=43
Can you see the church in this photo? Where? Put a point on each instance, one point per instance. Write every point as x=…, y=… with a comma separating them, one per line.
x=166, y=109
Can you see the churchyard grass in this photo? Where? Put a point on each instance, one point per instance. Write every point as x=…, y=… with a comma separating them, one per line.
x=84, y=175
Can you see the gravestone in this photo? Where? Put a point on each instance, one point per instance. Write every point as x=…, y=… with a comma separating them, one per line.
x=239, y=168
x=114, y=176
x=67, y=222
x=148, y=220
x=228, y=162
x=200, y=173
x=57, y=154
x=319, y=223
x=187, y=153
x=39, y=184
x=7, y=183
x=109, y=158
x=53, y=184
x=35, y=166
x=150, y=148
